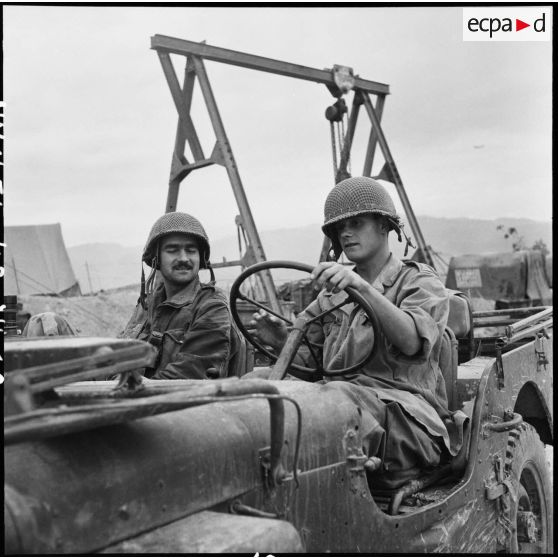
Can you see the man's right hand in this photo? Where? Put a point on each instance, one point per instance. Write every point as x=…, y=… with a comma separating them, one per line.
x=268, y=330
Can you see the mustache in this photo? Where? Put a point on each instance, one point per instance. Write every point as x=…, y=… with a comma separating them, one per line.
x=182, y=266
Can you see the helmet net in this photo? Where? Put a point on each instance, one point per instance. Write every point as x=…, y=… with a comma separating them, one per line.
x=176, y=222
x=357, y=196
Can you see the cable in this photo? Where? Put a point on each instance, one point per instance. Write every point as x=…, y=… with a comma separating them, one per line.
x=333, y=149
x=346, y=120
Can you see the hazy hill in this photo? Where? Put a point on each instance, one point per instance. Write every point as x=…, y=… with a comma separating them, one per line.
x=111, y=265
x=475, y=236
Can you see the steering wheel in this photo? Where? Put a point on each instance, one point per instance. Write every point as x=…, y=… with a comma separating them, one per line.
x=299, y=327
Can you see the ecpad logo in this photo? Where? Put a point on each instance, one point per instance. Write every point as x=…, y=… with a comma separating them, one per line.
x=494, y=24
x=507, y=24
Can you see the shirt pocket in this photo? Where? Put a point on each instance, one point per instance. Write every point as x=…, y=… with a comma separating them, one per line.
x=330, y=325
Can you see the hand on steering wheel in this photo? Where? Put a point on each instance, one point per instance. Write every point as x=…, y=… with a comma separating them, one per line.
x=268, y=329
x=300, y=327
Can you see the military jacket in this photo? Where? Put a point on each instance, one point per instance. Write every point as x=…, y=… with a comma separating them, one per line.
x=191, y=332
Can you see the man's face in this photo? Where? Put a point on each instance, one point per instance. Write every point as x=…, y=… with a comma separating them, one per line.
x=361, y=237
x=179, y=259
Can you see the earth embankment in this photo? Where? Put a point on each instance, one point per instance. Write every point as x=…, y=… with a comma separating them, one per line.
x=103, y=314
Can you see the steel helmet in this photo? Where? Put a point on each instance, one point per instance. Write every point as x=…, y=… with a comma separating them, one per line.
x=358, y=195
x=176, y=222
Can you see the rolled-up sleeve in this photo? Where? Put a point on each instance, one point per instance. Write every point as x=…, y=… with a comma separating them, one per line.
x=206, y=344
x=426, y=300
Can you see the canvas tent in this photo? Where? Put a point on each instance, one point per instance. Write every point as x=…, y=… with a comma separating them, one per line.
x=36, y=262
x=508, y=278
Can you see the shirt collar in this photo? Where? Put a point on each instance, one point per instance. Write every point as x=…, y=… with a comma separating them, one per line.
x=182, y=298
x=388, y=274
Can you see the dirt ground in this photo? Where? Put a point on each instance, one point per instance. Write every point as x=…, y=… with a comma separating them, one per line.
x=103, y=314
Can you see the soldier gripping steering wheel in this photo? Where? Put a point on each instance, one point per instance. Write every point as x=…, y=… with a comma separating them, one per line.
x=400, y=389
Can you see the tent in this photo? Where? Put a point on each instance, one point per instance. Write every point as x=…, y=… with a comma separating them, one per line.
x=508, y=278
x=36, y=262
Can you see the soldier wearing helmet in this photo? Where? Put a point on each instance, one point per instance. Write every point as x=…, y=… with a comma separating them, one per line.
x=186, y=320
x=401, y=392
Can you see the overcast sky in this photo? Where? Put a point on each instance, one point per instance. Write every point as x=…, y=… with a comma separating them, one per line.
x=90, y=122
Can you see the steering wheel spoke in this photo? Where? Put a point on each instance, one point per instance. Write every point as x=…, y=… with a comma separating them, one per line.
x=316, y=356
x=264, y=307
x=299, y=331
x=344, y=302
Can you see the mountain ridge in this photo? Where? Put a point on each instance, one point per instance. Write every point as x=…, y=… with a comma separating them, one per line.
x=111, y=265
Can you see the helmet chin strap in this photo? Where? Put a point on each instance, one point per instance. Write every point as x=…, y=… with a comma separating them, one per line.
x=408, y=242
x=398, y=228
x=142, y=296
x=147, y=286
x=151, y=278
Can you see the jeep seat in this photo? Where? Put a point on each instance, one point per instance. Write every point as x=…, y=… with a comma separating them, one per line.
x=460, y=313
x=459, y=326
x=239, y=360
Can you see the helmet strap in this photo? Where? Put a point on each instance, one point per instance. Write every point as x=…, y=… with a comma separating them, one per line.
x=151, y=278
x=408, y=243
x=143, y=295
x=154, y=265
x=398, y=228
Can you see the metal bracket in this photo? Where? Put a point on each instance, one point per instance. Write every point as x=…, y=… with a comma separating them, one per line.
x=271, y=477
x=356, y=459
x=130, y=382
x=343, y=80
x=499, y=367
x=509, y=421
x=540, y=353
x=343, y=77
x=497, y=490
x=18, y=397
x=502, y=486
x=502, y=491
x=356, y=462
x=264, y=456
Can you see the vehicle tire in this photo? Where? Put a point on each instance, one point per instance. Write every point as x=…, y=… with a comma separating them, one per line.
x=530, y=514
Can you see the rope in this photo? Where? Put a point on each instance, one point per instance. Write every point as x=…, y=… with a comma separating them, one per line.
x=340, y=138
x=346, y=120
x=333, y=148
